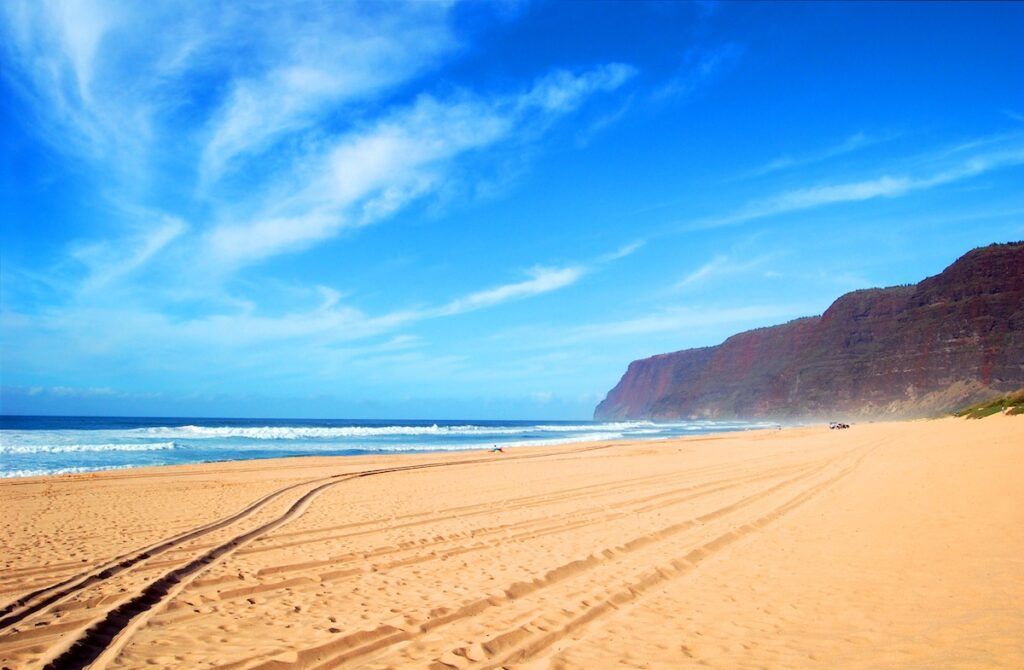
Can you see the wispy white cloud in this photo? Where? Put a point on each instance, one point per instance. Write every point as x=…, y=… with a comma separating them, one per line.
x=259, y=130
x=622, y=252
x=321, y=332
x=603, y=122
x=107, y=78
x=71, y=391
x=112, y=260
x=700, y=66
x=54, y=47
x=281, y=117
x=1009, y=154
x=677, y=320
x=850, y=144
x=721, y=265
x=371, y=172
x=332, y=55
x=681, y=320
x=703, y=272
x=563, y=91
x=542, y=280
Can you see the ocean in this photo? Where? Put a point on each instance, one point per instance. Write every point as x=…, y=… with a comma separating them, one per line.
x=42, y=445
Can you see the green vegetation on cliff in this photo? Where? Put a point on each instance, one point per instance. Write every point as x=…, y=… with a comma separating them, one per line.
x=1011, y=403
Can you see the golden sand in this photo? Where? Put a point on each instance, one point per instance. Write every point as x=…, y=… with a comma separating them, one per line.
x=886, y=545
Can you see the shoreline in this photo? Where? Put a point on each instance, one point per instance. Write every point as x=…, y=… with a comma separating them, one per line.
x=785, y=548
x=315, y=461
x=385, y=452
x=300, y=460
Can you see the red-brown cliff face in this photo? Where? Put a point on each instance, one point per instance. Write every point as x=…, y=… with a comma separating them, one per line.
x=916, y=350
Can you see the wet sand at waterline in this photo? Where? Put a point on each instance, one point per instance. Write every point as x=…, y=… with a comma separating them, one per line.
x=886, y=545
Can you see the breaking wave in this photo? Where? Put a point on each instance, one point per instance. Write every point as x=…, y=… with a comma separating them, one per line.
x=315, y=432
x=66, y=445
x=79, y=448
x=40, y=472
x=552, y=441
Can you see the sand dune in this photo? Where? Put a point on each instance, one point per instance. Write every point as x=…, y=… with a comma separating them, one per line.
x=888, y=545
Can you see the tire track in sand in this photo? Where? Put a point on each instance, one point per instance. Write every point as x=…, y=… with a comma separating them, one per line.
x=361, y=644
x=93, y=648
x=528, y=641
x=30, y=603
x=510, y=533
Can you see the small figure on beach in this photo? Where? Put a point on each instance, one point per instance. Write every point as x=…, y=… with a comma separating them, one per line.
x=836, y=425
x=497, y=450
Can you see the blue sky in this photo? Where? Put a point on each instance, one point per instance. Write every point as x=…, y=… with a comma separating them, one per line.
x=470, y=210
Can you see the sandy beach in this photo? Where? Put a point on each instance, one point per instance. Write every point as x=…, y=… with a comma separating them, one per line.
x=886, y=545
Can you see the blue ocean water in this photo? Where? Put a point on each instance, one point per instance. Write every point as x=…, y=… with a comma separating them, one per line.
x=38, y=445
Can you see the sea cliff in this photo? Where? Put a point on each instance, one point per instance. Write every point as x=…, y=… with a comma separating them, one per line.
x=916, y=350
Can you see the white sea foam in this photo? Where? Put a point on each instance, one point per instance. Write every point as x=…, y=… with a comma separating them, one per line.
x=551, y=441
x=593, y=437
x=317, y=432
x=49, y=472
x=27, y=453
x=78, y=448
